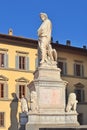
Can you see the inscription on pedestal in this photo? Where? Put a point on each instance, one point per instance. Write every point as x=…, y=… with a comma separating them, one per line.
x=50, y=98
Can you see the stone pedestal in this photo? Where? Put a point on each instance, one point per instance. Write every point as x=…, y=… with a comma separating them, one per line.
x=23, y=119
x=37, y=121
x=61, y=119
x=50, y=89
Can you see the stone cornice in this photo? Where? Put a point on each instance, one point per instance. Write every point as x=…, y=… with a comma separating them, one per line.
x=69, y=49
x=13, y=69
x=31, y=43
x=18, y=41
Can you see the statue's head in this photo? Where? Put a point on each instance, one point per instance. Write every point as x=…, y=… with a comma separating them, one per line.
x=22, y=96
x=72, y=97
x=43, y=16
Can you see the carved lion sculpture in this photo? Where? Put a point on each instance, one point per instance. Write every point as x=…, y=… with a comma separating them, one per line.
x=72, y=103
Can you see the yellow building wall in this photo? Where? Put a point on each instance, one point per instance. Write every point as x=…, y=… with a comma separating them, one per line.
x=5, y=107
x=12, y=53
x=70, y=58
x=8, y=106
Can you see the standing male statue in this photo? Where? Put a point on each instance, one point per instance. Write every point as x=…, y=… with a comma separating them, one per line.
x=44, y=34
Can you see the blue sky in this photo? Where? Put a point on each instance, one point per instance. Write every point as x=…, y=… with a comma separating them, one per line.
x=69, y=19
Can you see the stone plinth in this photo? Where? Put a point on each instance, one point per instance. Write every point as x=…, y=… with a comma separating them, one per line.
x=55, y=127
x=48, y=73
x=62, y=118
x=50, y=89
x=37, y=121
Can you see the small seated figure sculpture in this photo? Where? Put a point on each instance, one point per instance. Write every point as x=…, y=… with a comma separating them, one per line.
x=34, y=106
x=24, y=104
x=72, y=103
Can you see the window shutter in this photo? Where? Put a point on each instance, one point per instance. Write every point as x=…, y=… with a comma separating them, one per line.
x=83, y=96
x=6, y=60
x=27, y=63
x=65, y=68
x=6, y=91
x=82, y=70
x=74, y=69
x=17, y=90
x=17, y=62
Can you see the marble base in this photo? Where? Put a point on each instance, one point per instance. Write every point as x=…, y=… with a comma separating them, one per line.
x=48, y=120
x=50, y=89
x=56, y=127
x=64, y=118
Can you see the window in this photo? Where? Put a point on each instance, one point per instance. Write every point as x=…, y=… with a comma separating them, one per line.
x=21, y=87
x=3, y=57
x=79, y=90
x=4, y=60
x=1, y=90
x=62, y=66
x=1, y=60
x=21, y=90
x=1, y=119
x=3, y=87
x=78, y=70
x=22, y=62
x=80, y=95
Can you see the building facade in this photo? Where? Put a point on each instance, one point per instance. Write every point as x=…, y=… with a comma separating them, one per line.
x=18, y=61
